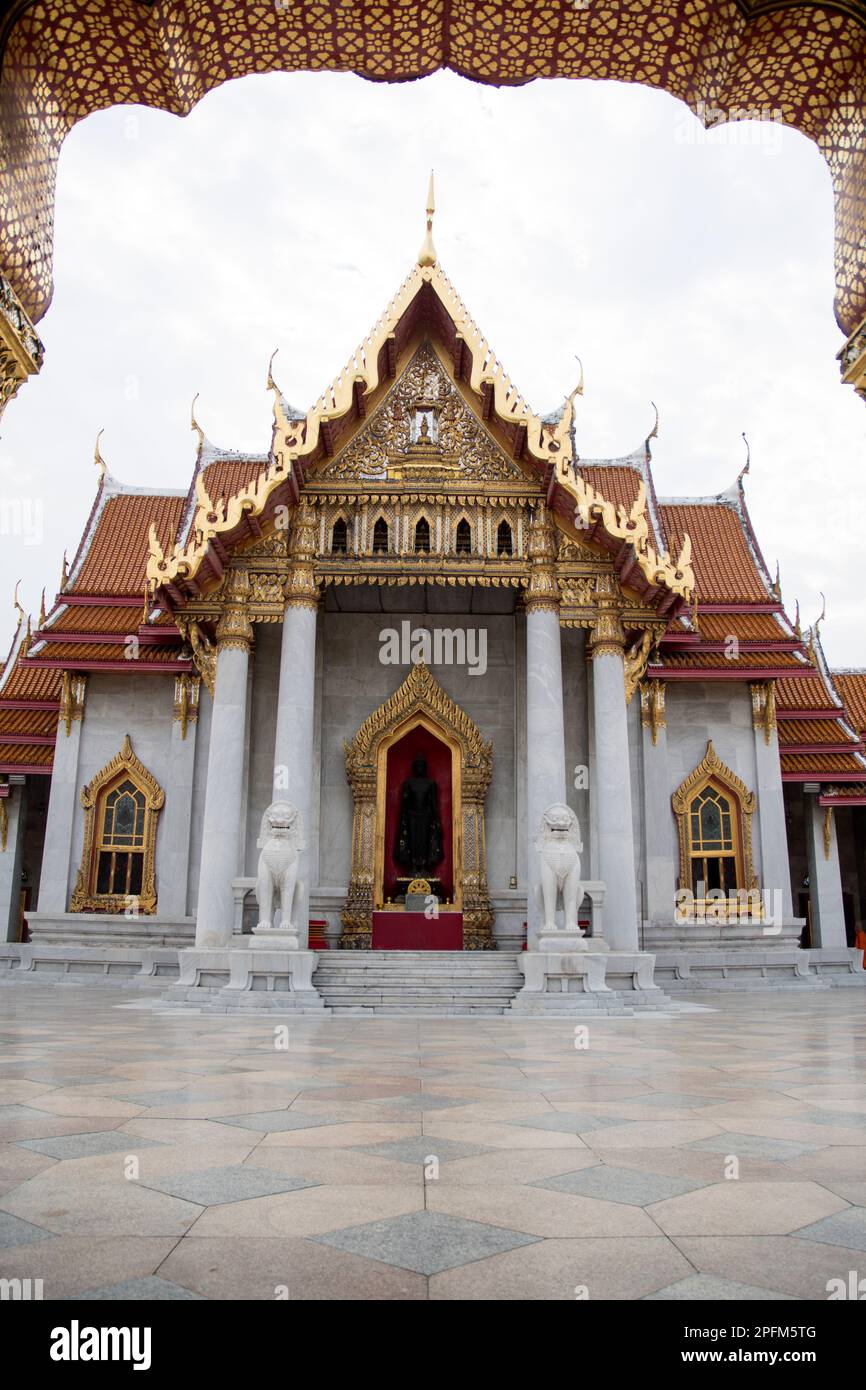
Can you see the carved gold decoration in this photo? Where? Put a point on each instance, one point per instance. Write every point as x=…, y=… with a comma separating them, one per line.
x=828, y=831
x=186, y=695
x=460, y=442
x=635, y=663
x=543, y=592
x=234, y=629
x=711, y=770
x=419, y=885
x=302, y=590
x=607, y=631
x=203, y=650
x=124, y=765
x=632, y=526
x=652, y=707
x=419, y=701
x=852, y=360
x=764, y=707
x=73, y=689
x=383, y=449
x=21, y=352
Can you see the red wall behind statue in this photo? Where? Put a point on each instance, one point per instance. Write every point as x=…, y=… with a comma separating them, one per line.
x=418, y=743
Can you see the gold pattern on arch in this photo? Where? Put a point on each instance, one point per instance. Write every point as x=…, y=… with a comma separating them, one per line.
x=419, y=701
x=714, y=810
x=118, y=861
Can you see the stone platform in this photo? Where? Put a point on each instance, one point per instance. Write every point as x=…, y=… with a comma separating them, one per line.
x=240, y=979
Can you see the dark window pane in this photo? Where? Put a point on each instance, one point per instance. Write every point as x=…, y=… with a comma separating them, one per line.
x=340, y=538
x=103, y=873
x=380, y=537
x=464, y=538
x=135, y=873
x=503, y=539
x=422, y=536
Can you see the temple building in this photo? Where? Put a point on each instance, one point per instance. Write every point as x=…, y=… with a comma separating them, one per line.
x=426, y=624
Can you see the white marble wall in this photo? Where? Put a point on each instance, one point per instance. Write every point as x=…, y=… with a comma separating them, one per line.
x=117, y=705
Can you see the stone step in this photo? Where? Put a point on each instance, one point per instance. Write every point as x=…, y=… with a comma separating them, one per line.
x=399, y=984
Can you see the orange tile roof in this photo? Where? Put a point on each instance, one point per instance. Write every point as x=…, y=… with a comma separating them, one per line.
x=116, y=557
x=852, y=687
x=751, y=627
x=226, y=477
x=725, y=570
x=812, y=731
x=93, y=618
x=835, y=763
x=684, y=660
x=21, y=754
x=807, y=692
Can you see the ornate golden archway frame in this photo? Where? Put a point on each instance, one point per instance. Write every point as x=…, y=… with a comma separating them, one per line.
x=419, y=702
x=124, y=764
x=711, y=770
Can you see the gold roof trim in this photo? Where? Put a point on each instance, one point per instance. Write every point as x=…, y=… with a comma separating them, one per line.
x=546, y=443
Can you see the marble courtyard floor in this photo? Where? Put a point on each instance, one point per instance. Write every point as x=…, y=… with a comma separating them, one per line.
x=157, y=1154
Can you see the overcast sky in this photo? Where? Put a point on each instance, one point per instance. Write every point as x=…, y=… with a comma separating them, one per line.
x=690, y=268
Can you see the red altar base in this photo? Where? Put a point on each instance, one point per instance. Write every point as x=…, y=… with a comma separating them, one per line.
x=412, y=931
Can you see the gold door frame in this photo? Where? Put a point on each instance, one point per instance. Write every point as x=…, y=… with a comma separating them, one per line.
x=418, y=721
x=419, y=701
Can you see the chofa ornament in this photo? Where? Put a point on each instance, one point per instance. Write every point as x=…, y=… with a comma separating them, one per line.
x=281, y=843
x=559, y=846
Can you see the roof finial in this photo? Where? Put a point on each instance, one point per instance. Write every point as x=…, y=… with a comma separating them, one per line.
x=427, y=254
x=18, y=609
x=747, y=465
x=64, y=573
x=654, y=432
x=776, y=585
x=271, y=384
x=97, y=456
x=42, y=614
x=797, y=628
x=578, y=390
x=193, y=422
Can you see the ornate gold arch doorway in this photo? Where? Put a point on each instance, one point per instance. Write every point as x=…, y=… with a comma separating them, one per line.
x=62, y=59
x=419, y=703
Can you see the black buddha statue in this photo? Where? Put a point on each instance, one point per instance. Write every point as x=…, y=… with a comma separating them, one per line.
x=419, y=831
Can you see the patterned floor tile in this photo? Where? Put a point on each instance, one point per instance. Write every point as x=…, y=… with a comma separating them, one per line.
x=705, y=1287
x=425, y=1241
x=418, y=1150
x=107, y=1141
x=846, y=1228
x=621, y=1185
x=149, y=1290
x=236, y=1183
x=16, y=1232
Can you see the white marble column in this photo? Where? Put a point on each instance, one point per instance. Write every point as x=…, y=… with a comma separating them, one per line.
x=172, y=859
x=294, y=745
x=825, y=879
x=545, y=744
x=11, y=860
x=612, y=790
x=658, y=821
x=56, y=873
x=775, y=865
x=225, y=772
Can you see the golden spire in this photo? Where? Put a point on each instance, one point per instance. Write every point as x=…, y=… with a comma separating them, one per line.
x=578, y=390
x=427, y=254
x=97, y=456
x=64, y=573
x=654, y=432
x=42, y=614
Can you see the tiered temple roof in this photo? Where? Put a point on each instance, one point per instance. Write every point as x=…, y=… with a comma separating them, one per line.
x=144, y=551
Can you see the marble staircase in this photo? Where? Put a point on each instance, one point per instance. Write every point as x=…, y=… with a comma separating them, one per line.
x=399, y=983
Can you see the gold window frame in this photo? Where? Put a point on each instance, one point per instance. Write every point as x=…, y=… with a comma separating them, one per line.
x=712, y=772
x=124, y=766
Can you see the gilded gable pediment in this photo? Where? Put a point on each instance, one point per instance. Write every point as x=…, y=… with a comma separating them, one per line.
x=423, y=431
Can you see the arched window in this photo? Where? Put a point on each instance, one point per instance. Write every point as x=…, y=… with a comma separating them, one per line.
x=463, y=537
x=340, y=537
x=712, y=837
x=121, y=807
x=714, y=811
x=422, y=537
x=380, y=537
x=504, y=544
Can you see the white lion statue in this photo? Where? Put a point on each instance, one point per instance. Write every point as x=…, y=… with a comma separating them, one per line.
x=559, y=847
x=281, y=843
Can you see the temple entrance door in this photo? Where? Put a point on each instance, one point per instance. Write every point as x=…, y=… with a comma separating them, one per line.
x=419, y=742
